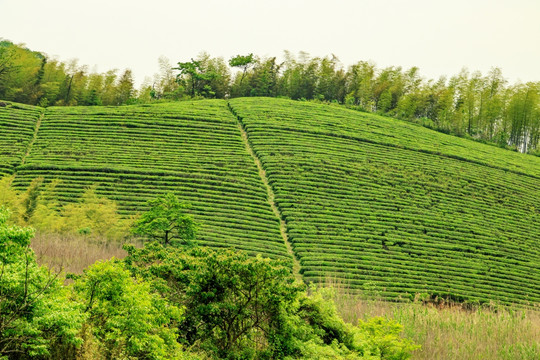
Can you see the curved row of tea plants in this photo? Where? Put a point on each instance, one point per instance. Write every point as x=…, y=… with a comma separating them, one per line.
x=307, y=117
x=17, y=125
x=138, y=153
x=378, y=210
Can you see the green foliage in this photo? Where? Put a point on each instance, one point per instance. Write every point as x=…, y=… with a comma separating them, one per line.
x=240, y=307
x=125, y=317
x=231, y=300
x=125, y=91
x=11, y=199
x=320, y=333
x=166, y=221
x=38, y=206
x=382, y=336
x=46, y=216
x=95, y=215
x=30, y=199
x=31, y=77
x=244, y=62
x=36, y=313
x=14, y=239
x=196, y=77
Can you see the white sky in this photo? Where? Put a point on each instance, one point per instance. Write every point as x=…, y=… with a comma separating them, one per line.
x=440, y=37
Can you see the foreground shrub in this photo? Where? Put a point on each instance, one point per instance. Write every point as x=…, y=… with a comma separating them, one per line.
x=125, y=317
x=383, y=339
x=37, y=317
x=232, y=302
x=241, y=307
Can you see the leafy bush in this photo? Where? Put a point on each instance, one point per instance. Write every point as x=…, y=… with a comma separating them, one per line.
x=37, y=317
x=382, y=337
x=125, y=317
x=241, y=307
x=231, y=301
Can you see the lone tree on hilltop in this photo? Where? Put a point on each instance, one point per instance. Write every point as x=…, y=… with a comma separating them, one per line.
x=242, y=62
x=166, y=221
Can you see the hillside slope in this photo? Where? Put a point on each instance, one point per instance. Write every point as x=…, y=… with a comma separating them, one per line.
x=396, y=209
x=381, y=205
x=17, y=127
x=138, y=153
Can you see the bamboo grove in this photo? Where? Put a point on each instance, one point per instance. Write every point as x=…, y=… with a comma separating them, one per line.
x=485, y=107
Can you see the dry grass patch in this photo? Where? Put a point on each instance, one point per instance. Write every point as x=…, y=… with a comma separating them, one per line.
x=452, y=332
x=73, y=253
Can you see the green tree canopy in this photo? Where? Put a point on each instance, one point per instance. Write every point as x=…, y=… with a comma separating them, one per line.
x=196, y=77
x=37, y=317
x=166, y=221
x=243, y=62
x=126, y=317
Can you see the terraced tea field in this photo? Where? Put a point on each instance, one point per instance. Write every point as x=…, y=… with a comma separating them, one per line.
x=381, y=205
x=140, y=152
x=389, y=207
x=17, y=126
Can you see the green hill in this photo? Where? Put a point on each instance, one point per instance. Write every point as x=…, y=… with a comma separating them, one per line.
x=381, y=205
x=387, y=206
x=138, y=153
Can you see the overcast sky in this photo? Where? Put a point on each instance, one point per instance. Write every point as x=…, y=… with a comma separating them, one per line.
x=440, y=37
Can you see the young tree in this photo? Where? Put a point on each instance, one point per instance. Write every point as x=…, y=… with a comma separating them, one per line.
x=166, y=221
x=243, y=62
x=360, y=83
x=264, y=79
x=165, y=84
x=218, y=83
x=125, y=90
x=195, y=76
x=331, y=80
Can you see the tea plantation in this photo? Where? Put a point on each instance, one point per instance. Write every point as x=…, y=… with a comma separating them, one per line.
x=396, y=209
x=382, y=206
x=138, y=153
x=17, y=126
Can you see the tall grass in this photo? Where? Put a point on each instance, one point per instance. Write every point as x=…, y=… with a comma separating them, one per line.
x=454, y=332
x=73, y=253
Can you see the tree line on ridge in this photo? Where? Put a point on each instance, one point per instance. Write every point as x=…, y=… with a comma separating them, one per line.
x=485, y=107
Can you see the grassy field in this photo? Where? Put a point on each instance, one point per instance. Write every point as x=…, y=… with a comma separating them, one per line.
x=453, y=332
x=73, y=253
x=383, y=206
